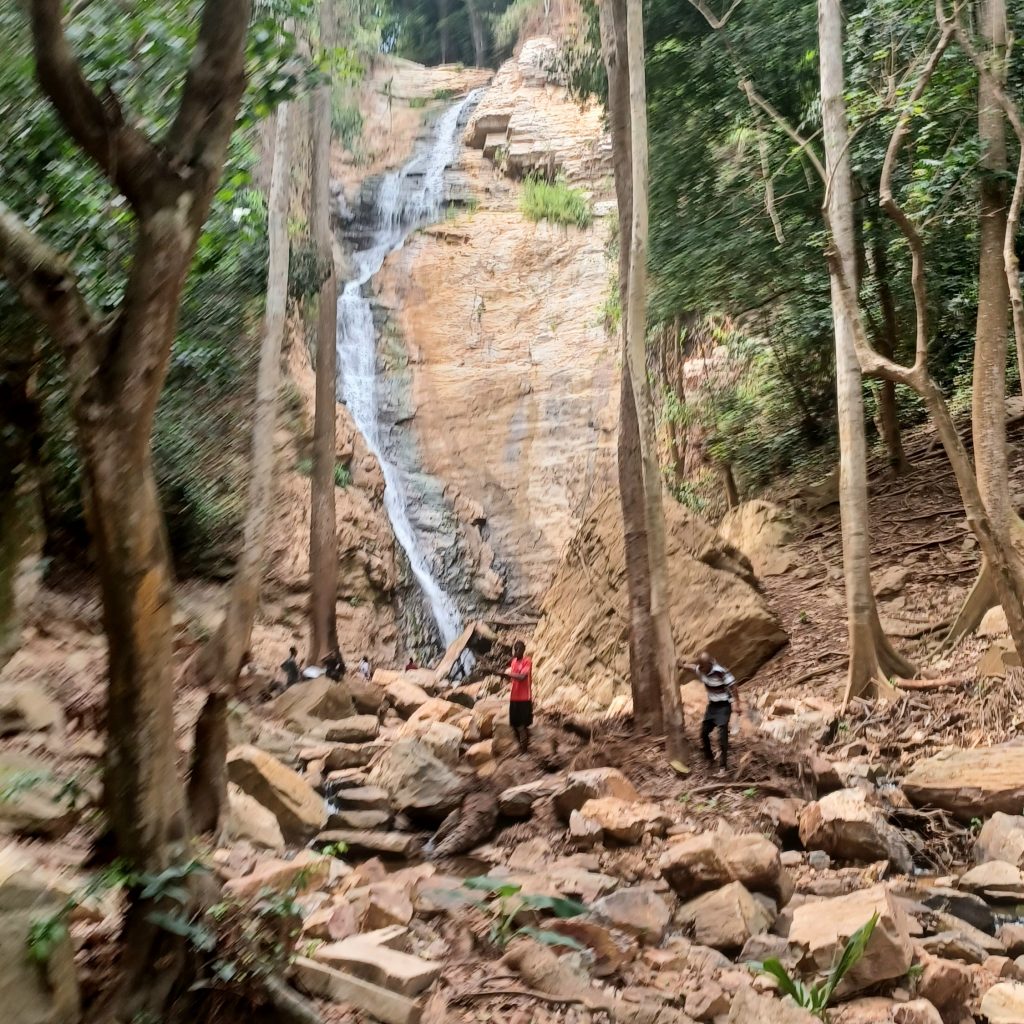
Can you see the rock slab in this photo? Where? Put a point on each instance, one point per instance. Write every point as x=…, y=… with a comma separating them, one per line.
x=970, y=783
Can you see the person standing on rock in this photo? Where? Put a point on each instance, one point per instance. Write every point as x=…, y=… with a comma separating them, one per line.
x=290, y=667
x=364, y=667
x=720, y=685
x=520, y=704
x=334, y=665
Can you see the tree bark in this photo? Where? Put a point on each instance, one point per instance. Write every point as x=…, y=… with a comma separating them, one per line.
x=443, y=30
x=220, y=661
x=665, y=660
x=872, y=657
x=323, y=531
x=643, y=673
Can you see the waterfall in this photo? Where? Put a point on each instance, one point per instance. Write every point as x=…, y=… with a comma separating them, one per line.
x=405, y=200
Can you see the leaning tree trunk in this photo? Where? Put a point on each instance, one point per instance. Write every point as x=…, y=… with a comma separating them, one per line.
x=643, y=673
x=323, y=529
x=636, y=323
x=872, y=657
x=220, y=661
x=988, y=401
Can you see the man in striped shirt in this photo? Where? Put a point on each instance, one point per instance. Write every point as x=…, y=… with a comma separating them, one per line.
x=720, y=685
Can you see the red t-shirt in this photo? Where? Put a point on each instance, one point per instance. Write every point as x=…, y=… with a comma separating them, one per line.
x=522, y=689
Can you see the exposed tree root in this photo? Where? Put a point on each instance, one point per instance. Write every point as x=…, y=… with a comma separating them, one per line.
x=981, y=598
x=292, y=1007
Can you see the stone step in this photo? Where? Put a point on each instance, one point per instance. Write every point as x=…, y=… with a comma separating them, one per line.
x=352, y=818
x=326, y=982
x=362, y=798
x=393, y=844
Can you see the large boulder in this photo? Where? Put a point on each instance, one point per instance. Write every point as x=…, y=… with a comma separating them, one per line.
x=848, y=826
x=417, y=783
x=696, y=864
x=763, y=532
x=1001, y=839
x=248, y=819
x=299, y=810
x=726, y=918
x=712, y=600
x=406, y=696
x=27, y=707
x=591, y=784
x=1004, y=1003
x=821, y=929
x=625, y=821
x=443, y=738
x=34, y=991
x=971, y=783
x=318, y=698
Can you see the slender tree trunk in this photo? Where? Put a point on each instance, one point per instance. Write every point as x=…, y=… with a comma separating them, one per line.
x=221, y=660
x=323, y=539
x=872, y=658
x=671, y=703
x=643, y=672
x=443, y=30
x=476, y=29
x=988, y=402
x=887, y=341
x=732, y=493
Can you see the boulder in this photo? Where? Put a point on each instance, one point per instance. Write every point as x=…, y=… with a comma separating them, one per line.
x=955, y=945
x=711, y=599
x=318, y=698
x=762, y=531
x=726, y=918
x=249, y=820
x=374, y=957
x=479, y=754
x=695, y=864
x=443, y=739
x=994, y=623
x=305, y=872
x=637, y=910
x=591, y=784
x=33, y=993
x=349, y=755
x=357, y=729
x=821, y=929
x=1012, y=937
x=518, y=801
x=1001, y=839
x=406, y=696
x=917, y=1011
x=846, y=825
x=299, y=810
x=417, y=783
x=748, y=1007
x=1003, y=1003
x=994, y=880
x=485, y=713
x=361, y=798
x=584, y=832
x=27, y=707
x=944, y=983
x=370, y=841
x=964, y=906
x=626, y=821
x=34, y=801
x=971, y=783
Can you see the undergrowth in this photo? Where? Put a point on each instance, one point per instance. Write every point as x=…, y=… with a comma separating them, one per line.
x=555, y=201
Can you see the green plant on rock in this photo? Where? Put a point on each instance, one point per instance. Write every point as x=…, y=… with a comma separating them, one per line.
x=507, y=901
x=816, y=997
x=555, y=201
x=342, y=475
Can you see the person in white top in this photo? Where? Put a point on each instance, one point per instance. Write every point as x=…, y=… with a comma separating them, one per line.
x=720, y=685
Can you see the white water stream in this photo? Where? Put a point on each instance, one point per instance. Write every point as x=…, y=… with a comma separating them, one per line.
x=405, y=200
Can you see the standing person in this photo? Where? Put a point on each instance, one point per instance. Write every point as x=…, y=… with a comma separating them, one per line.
x=334, y=665
x=520, y=704
x=411, y=664
x=720, y=685
x=364, y=667
x=290, y=667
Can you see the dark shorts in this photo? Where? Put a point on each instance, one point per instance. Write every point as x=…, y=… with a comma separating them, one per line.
x=718, y=712
x=520, y=713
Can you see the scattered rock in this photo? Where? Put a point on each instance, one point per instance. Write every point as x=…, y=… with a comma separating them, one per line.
x=584, y=832
x=891, y=581
x=470, y=825
x=417, y=783
x=637, y=910
x=372, y=957
x=994, y=623
x=1003, y=1003
x=750, y=1008
x=591, y=784
x=341, y=987
x=726, y=918
x=846, y=825
x=349, y=755
x=995, y=879
x=819, y=860
x=970, y=783
x=821, y=929
x=1000, y=657
x=695, y=864
x=964, y=906
x=955, y=945
x=355, y=819
x=1012, y=937
x=317, y=698
x=357, y=729
x=917, y=1011
x=33, y=993
x=406, y=696
x=250, y=820
x=479, y=754
x=1001, y=839
x=305, y=872
x=625, y=821
x=612, y=949
x=299, y=810
x=944, y=983
x=27, y=707
x=393, y=844
x=784, y=815
x=443, y=739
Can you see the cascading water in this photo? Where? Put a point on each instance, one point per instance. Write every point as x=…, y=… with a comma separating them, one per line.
x=405, y=200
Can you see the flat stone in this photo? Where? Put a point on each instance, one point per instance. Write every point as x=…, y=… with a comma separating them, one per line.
x=357, y=729
x=748, y=1007
x=995, y=879
x=970, y=783
x=318, y=698
x=955, y=945
x=394, y=844
x=963, y=905
x=342, y=987
x=636, y=910
x=696, y=864
x=306, y=871
x=349, y=818
x=519, y=801
x=373, y=961
x=361, y=798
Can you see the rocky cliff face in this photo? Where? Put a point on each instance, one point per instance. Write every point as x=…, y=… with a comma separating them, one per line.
x=502, y=394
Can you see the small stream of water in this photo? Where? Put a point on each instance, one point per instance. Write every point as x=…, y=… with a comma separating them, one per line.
x=405, y=200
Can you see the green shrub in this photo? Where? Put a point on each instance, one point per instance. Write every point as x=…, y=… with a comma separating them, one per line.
x=555, y=201
x=342, y=475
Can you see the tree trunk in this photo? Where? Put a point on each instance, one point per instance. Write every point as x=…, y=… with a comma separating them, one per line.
x=220, y=661
x=476, y=28
x=636, y=323
x=443, y=30
x=988, y=401
x=323, y=539
x=888, y=338
x=872, y=658
x=643, y=673
x=732, y=494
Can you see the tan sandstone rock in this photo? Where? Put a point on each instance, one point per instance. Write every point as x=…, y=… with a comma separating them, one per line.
x=1004, y=1003
x=763, y=532
x=249, y=819
x=970, y=783
x=626, y=821
x=1001, y=839
x=417, y=783
x=695, y=864
x=726, y=918
x=591, y=784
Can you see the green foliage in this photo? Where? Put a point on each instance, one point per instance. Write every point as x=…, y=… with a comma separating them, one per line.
x=507, y=902
x=816, y=997
x=555, y=201
x=342, y=475
x=507, y=25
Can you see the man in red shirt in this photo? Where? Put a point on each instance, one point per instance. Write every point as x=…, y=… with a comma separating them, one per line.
x=520, y=705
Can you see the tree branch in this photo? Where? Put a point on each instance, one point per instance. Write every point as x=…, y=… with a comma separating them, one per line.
x=896, y=212
x=125, y=155
x=710, y=17
x=805, y=146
